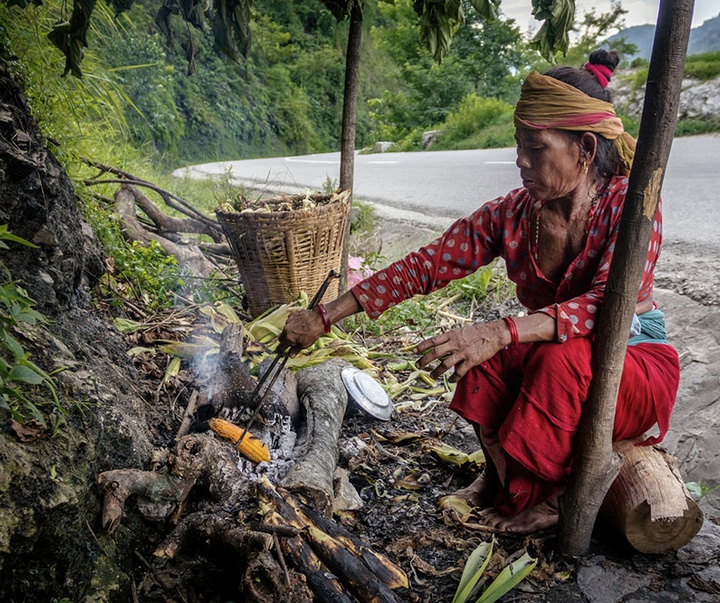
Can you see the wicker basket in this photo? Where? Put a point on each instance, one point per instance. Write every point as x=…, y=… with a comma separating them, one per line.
x=282, y=253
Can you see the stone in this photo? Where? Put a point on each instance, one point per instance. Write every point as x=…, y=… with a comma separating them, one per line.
x=429, y=138
x=609, y=582
x=383, y=146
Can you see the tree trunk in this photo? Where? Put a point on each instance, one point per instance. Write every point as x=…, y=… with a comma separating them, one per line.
x=352, y=68
x=347, y=141
x=595, y=466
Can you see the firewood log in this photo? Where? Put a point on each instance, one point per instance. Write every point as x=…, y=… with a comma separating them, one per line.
x=324, y=398
x=283, y=396
x=326, y=587
x=372, y=573
x=352, y=571
x=232, y=384
x=388, y=572
x=649, y=503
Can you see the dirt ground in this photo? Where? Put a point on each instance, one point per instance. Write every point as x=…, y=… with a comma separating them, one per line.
x=399, y=479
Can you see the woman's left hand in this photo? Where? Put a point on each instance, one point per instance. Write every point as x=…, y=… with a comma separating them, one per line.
x=462, y=348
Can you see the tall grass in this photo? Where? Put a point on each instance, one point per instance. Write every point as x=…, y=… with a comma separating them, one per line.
x=83, y=116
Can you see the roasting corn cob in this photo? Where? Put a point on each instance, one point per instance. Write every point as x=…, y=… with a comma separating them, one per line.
x=251, y=447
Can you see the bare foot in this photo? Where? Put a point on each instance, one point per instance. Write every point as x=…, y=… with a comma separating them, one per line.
x=539, y=517
x=481, y=493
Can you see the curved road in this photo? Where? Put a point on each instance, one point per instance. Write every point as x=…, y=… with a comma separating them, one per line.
x=436, y=187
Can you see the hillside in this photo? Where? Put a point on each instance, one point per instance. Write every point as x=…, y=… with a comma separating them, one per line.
x=704, y=38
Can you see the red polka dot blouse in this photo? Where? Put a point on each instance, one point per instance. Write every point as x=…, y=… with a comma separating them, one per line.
x=501, y=228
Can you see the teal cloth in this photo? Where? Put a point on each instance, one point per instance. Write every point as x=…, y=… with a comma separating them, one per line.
x=652, y=328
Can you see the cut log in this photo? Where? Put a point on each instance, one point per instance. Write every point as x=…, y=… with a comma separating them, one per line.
x=283, y=396
x=324, y=399
x=231, y=385
x=325, y=585
x=388, y=572
x=649, y=503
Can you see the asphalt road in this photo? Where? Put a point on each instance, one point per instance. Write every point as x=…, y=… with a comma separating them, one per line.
x=435, y=187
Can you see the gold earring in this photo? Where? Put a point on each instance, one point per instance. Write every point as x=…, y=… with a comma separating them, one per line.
x=585, y=167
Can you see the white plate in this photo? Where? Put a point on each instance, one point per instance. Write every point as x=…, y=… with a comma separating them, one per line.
x=367, y=393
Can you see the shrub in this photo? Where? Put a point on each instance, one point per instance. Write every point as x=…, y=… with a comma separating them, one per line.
x=692, y=127
x=474, y=115
x=702, y=70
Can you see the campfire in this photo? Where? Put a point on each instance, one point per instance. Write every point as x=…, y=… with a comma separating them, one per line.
x=267, y=503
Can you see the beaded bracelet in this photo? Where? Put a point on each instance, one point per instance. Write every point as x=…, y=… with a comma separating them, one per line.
x=514, y=337
x=325, y=318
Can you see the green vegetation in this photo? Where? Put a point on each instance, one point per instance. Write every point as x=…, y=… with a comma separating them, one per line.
x=19, y=376
x=137, y=108
x=478, y=123
x=505, y=581
x=704, y=66
x=457, y=302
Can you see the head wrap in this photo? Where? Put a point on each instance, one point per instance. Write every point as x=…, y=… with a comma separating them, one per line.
x=602, y=73
x=549, y=103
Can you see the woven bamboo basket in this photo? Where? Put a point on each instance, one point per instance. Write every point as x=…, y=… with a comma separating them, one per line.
x=281, y=253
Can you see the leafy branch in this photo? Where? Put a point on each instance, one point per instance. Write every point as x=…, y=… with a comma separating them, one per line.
x=17, y=371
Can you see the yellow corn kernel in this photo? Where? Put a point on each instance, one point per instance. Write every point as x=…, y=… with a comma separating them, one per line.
x=250, y=447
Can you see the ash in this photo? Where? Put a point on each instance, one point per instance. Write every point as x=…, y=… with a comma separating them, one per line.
x=279, y=435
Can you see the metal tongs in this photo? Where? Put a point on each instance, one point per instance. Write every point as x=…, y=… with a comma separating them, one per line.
x=282, y=357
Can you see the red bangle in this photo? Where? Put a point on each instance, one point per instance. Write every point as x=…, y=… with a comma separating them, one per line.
x=325, y=318
x=514, y=337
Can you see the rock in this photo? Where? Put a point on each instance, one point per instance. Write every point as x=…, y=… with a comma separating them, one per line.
x=698, y=100
x=705, y=547
x=382, y=147
x=608, y=582
x=694, y=423
x=430, y=137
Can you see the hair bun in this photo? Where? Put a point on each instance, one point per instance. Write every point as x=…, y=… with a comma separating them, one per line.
x=606, y=58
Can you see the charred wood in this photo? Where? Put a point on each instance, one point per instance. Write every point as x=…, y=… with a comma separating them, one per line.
x=367, y=575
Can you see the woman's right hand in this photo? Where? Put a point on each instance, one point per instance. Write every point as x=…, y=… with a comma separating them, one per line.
x=305, y=327
x=302, y=329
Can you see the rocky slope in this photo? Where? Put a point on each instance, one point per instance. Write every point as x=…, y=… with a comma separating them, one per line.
x=698, y=100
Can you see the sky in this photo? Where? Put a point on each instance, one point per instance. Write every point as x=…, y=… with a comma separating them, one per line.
x=639, y=12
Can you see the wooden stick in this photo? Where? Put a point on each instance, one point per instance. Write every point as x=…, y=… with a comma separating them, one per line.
x=187, y=416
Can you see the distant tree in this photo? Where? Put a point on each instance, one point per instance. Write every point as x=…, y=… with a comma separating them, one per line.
x=490, y=52
x=594, y=29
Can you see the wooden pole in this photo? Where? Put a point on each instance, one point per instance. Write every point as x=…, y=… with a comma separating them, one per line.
x=347, y=140
x=595, y=466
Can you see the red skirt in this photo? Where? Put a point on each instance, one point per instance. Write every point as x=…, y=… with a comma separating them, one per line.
x=532, y=397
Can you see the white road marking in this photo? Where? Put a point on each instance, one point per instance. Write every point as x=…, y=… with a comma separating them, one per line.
x=296, y=160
